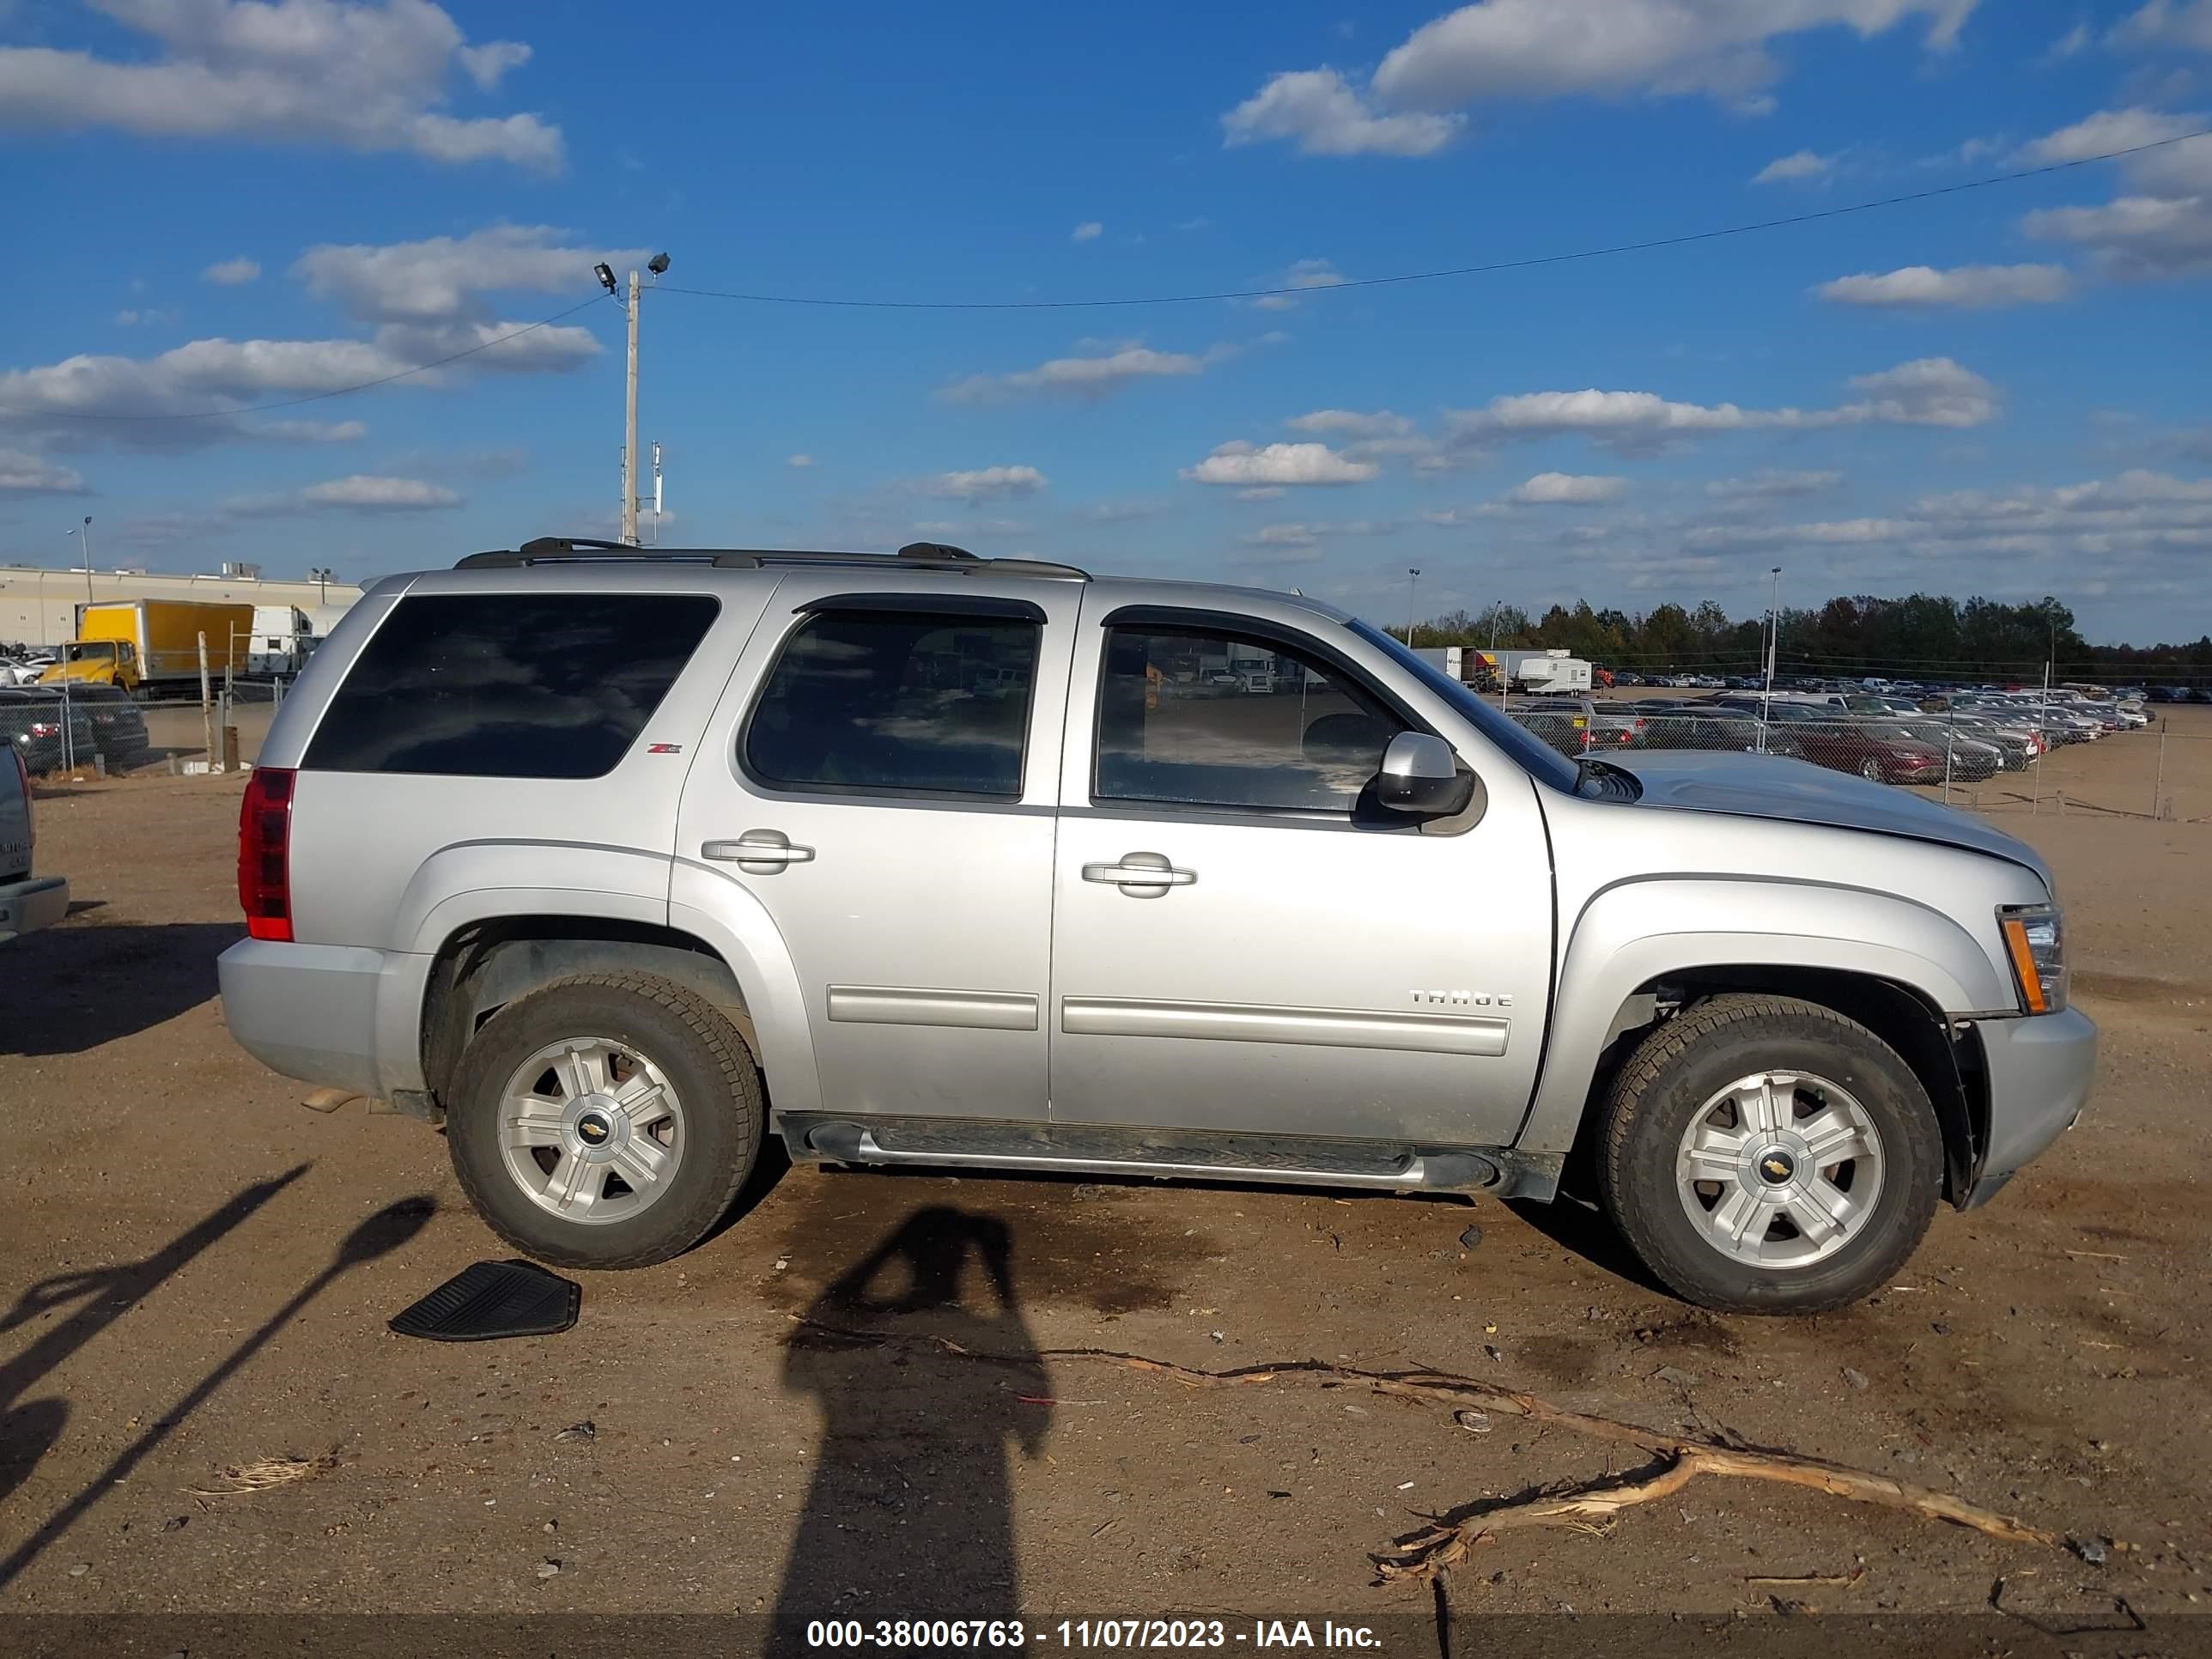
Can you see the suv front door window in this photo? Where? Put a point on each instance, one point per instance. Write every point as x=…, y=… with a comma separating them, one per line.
x=1243, y=940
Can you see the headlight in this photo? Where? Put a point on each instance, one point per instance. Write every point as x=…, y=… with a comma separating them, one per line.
x=2036, y=943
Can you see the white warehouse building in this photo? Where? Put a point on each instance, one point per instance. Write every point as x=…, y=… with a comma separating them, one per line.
x=40, y=607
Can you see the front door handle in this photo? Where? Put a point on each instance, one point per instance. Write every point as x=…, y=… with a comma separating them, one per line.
x=1140, y=875
x=757, y=852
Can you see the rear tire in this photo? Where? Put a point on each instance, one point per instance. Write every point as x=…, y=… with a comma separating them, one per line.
x=1799, y=1113
x=605, y=1121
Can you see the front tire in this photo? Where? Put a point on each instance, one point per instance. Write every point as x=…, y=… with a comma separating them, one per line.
x=604, y=1120
x=1765, y=1155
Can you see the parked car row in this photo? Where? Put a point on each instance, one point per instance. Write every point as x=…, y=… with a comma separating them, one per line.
x=1886, y=737
x=23, y=670
x=47, y=731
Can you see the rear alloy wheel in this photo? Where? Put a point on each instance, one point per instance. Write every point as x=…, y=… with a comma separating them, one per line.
x=1870, y=770
x=604, y=1120
x=1765, y=1155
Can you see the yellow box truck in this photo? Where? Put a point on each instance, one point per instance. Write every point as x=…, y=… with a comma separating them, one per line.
x=151, y=644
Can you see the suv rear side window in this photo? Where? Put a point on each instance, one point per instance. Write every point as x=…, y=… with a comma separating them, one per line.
x=1205, y=719
x=509, y=685
x=879, y=702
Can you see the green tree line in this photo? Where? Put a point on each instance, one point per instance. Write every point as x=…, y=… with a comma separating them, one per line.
x=1927, y=636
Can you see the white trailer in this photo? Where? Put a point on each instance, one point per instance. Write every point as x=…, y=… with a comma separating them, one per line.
x=279, y=645
x=1544, y=670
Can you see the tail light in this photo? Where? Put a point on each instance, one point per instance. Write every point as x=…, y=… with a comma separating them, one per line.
x=264, y=853
x=45, y=729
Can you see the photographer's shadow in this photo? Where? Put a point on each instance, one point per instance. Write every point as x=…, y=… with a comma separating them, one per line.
x=910, y=1510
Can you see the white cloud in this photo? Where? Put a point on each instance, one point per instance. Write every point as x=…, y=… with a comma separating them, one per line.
x=114, y=399
x=1262, y=493
x=2136, y=237
x=1275, y=465
x=1963, y=286
x=1769, y=484
x=1929, y=392
x=1323, y=114
x=138, y=317
x=1566, y=489
x=361, y=493
x=444, y=277
x=366, y=493
x=231, y=273
x=368, y=77
x=1089, y=231
x=799, y=460
x=1088, y=377
x=1800, y=164
x=986, y=483
x=2163, y=227
x=2166, y=22
x=1529, y=49
x=24, y=473
x=1305, y=276
x=2075, y=40
x=1283, y=535
x=1350, y=423
x=2110, y=129
x=309, y=432
x=1551, y=48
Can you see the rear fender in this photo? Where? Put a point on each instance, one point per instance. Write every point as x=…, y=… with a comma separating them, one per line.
x=1633, y=935
x=711, y=907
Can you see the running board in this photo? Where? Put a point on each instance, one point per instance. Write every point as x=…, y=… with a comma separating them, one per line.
x=1041, y=1149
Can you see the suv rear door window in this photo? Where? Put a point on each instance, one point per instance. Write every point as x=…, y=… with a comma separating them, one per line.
x=509, y=685
x=880, y=702
x=1205, y=719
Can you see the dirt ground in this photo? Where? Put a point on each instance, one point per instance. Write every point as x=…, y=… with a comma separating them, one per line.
x=198, y=1274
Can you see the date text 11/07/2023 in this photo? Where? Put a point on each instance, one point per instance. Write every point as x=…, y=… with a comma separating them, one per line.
x=986, y=1634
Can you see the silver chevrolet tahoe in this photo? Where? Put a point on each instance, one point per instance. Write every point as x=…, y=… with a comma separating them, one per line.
x=617, y=863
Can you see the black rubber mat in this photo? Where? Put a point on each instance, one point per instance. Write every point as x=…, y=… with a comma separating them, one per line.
x=489, y=1299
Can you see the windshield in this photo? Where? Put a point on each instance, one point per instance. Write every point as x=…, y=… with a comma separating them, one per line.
x=90, y=651
x=1537, y=758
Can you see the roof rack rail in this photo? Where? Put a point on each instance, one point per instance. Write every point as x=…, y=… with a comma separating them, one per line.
x=924, y=556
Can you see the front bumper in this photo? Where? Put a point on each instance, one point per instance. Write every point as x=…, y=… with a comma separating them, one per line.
x=27, y=906
x=329, y=1014
x=2039, y=1071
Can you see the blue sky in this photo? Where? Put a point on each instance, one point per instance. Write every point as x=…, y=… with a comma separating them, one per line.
x=2001, y=391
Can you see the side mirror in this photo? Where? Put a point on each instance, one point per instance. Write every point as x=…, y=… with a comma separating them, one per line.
x=1421, y=777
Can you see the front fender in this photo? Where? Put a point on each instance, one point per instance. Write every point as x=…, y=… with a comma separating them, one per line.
x=1630, y=935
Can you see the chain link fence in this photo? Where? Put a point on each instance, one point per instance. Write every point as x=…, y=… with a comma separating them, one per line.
x=77, y=730
x=1992, y=752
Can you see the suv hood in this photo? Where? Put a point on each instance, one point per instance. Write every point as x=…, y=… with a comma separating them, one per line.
x=1770, y=787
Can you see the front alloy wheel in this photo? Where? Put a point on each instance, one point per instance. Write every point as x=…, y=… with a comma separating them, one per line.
x=1763, y=1154
x=1780, y=1169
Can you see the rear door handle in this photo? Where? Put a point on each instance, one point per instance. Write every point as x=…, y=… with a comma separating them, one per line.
x=757, y=852
x=1140, y=875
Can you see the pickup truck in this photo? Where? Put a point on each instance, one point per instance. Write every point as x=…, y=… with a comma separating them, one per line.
x=620, y=863
x=26, y=904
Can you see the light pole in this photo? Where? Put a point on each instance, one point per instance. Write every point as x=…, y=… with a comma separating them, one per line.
x=657, y=265
x=1413, y=575
x=1773, y=631
x=321, y=578
x=83, y=534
